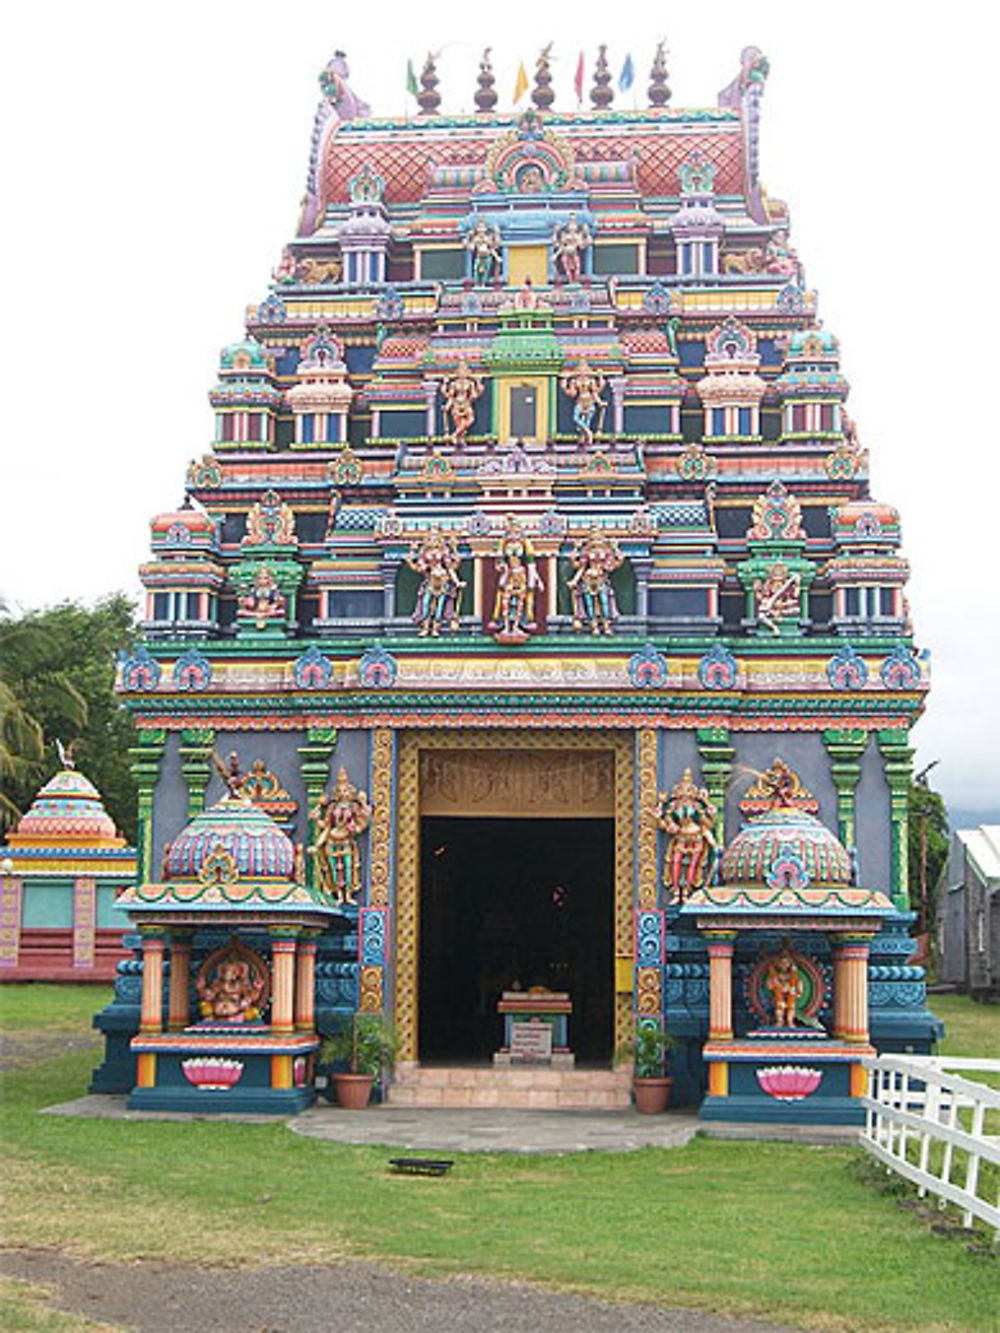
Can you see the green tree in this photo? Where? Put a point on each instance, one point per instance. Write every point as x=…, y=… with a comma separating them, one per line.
x=929, y=840
x=56, y=683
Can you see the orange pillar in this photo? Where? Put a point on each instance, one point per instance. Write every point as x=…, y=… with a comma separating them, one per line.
x=283, y=984
x=720, y=984
x=850, y=1001
x=305, y=986
x=151, y=1018
x=178, y=1012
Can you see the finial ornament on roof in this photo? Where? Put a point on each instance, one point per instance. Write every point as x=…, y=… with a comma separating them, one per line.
x=65, y=753
x=659, y=89
x=602, y=94
x=429, y=99
x=777, y=788
x=485, y=96
x=542, y=95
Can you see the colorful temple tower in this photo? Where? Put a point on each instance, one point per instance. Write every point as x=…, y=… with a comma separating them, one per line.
x=61, y=870
x=533, y=514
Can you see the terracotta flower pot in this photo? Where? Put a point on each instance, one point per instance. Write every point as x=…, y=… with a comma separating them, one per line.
x=352, y=1090
x=652, y=1095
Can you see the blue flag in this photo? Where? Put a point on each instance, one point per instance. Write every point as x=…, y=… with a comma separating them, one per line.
x=627, y=77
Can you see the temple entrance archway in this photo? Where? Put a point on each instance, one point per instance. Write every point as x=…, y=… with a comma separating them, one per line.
x=473, y=778
x=514, y=903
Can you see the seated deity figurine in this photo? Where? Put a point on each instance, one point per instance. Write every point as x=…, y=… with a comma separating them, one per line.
x=484, y=243
x=460, y=393
x=340, y=820
x=688, y=816
x=518, y=581
x=784, y=982
x=595, y=558
x=778, y=596
x=585, y=385
x=264, y=601
x=231, y=986
x=570, y=243
x=286, y=270
x=780, y=258
x=439, y=596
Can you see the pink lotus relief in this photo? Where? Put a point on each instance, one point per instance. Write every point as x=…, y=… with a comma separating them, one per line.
x=212, y=1074
x=789, y=1083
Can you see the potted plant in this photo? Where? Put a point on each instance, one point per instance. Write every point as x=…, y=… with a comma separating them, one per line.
x=651, y=1084
x=367, y=1046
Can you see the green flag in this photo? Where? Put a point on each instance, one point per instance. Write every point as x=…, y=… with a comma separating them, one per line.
x=411, y=79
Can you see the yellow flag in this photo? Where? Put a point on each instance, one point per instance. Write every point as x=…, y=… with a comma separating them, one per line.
x=521, y=86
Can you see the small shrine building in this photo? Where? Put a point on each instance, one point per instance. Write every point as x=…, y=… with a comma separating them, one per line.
x=531, y=587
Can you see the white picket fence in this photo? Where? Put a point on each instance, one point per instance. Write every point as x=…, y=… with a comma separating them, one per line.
x=915, y=1102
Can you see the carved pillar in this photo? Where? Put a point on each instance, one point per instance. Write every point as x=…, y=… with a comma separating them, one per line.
x=430, y=395
x=178, y=1005
x=388, y=569
x=720, y=984
x=145, y=768
x=283, y=946
x=196, y=766
x=850, y=995
x=314, y=767
x=551, y=585
x=151, y=1015
x=640, y=568
x=845, y=749
x=716, y=768
x=648, y=870
x=897, y=760
x=305, y=984
x=618, y=383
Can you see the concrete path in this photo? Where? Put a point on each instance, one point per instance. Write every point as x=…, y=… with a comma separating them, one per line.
x=157, y=1297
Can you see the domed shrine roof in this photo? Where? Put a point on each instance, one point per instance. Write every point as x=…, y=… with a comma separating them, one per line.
x=231, y=857
x=785, y=844
x=67, y=812
x=190, y=520
x=866, y=521
x=246, y=355
x=812, y=345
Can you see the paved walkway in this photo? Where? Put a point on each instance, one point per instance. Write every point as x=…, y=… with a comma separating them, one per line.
x=153, y=1297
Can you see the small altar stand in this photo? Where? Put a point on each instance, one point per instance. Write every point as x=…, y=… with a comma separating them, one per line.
x=240, y=1031
x=787, y=922
x=535, y=1028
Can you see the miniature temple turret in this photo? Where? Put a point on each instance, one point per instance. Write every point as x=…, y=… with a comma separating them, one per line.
x=531, y=497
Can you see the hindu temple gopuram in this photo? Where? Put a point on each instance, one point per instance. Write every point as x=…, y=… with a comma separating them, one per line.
x=527, y=659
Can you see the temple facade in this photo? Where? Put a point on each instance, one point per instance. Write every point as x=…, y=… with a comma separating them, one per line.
x=532, y=532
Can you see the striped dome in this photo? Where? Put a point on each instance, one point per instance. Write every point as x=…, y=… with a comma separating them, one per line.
x=781, y=841
x=68, y=810
x=256, y=845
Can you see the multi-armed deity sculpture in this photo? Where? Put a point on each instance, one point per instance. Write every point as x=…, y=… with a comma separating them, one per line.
x=483, y=242
x=687, y=816
x=339, y=821
x=570, y=243
x=594, y=558
x=439, y=597
x=518, y=582
x=584, y=386
x=460, y=393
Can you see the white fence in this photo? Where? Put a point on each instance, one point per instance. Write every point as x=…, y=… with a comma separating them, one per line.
x=916, y=1103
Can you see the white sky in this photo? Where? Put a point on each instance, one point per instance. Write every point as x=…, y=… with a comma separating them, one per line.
x=156, y=155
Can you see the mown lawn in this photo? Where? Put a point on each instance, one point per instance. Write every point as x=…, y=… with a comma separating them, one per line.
x=777, y=1230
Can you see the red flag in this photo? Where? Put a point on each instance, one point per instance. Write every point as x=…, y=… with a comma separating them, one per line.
x=578, y=79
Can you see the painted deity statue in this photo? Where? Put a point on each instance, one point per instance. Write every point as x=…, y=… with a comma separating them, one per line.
x=687, y=815
x=232, y=986
x=778, y=596
x=783, y=980
x=439, y=596
x=340, y=819
x=518, y=582
x=584, y=386
x=484, y=243
x=264, y=601
x=780, y=258
x=286, y=270
x=594, y=559
x=570, y=243
x=460, y=393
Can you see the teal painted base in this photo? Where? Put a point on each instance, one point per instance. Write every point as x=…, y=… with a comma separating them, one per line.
x=252, y=1101
x=765, y=1110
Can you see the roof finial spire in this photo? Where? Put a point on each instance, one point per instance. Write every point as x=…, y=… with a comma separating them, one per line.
x=602, y=94
x=659, y=89
x=429, y=99
x=486, y=96
x=542, y=94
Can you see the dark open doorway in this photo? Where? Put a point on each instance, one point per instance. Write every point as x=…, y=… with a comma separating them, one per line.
x=514, y=900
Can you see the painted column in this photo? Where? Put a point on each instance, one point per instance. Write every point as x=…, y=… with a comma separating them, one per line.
x=178, y=1001
x=720, y=984
x=477, y=587
x=145, y=768
x=716, y=768
x=850, y=999
x=618, y=383
x=314, y=768
x=196, y=766
x=151, y=1015
x=897, y=761
x=283, y=948
x=305, y=986
x=388, y=570
x=641, y=568
x=430, y=394
x=552, y=585
x=845, y=749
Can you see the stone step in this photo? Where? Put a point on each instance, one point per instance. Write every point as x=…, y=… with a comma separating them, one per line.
x=540, y=1088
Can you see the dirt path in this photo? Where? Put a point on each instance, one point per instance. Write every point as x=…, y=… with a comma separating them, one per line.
x=166, y=1298
x=30, y=1048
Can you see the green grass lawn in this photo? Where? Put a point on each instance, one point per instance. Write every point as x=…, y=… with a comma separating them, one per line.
x=777, y=1230
x=970, y=1028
